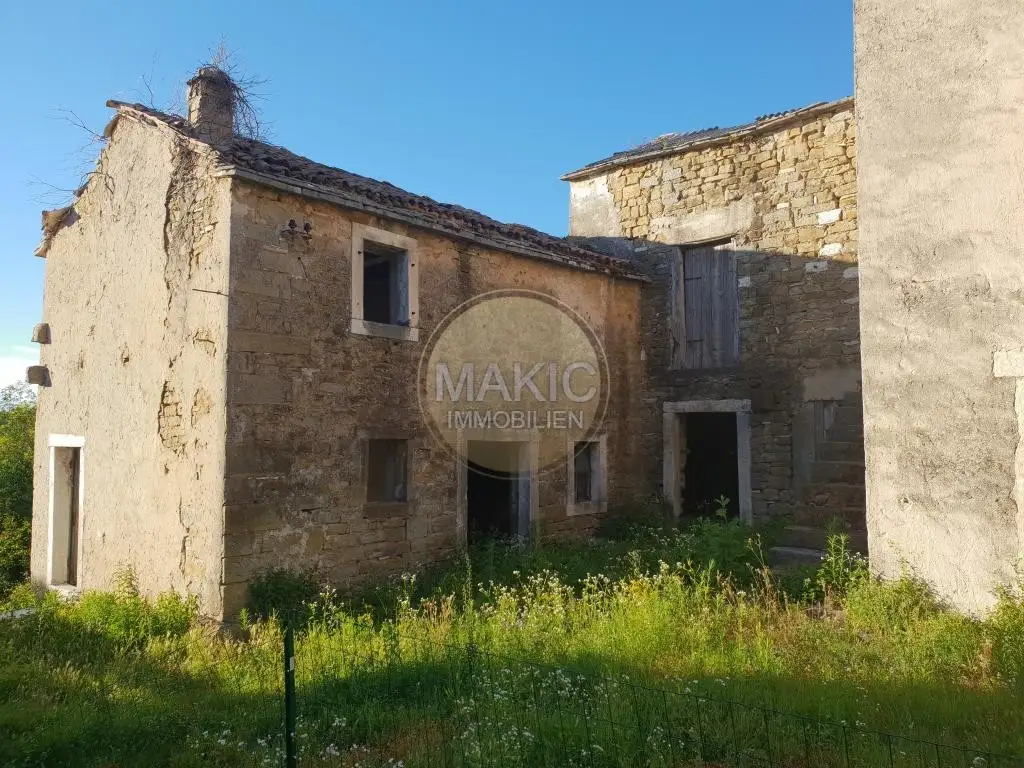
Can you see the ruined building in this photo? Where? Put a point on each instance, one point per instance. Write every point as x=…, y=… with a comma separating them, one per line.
x=232, y=336
x=748, y=236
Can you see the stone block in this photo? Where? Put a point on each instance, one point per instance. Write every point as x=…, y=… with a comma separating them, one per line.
x=258, y=389
x=344, y=541
x=250, y=517
x=242, y=568
x=236, y=544
x=265, y=284
x=274, y=259
x=252, y=341
x=387, y=550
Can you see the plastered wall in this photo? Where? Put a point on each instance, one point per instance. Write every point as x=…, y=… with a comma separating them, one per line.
x=135, y=297
x=941, y=176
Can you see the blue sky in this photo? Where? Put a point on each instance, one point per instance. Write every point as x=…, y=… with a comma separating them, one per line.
x=480, y=103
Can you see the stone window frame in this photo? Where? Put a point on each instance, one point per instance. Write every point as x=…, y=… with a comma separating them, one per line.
x=598, y=503
x=57, y=441
x=362, y=234
x=377, y=509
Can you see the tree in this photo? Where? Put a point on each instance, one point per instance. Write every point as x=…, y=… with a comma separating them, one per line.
x=16, y=394
x=17, y=438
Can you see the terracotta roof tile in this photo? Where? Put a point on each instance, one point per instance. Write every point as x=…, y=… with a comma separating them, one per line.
x=278, y=163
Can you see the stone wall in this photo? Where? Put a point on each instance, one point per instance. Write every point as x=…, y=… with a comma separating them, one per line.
x=939, y=89
x=785, y=194
x=135, y=297
x=305, y=393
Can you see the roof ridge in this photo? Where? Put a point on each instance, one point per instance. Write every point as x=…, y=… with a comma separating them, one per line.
x=688, y=140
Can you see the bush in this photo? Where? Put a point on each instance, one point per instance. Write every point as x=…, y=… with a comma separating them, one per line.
x=732, y=546
x=1006, y=627
x=22, y=596
x=282, y=593
x=625, y=520
x=15, y=537
x=127, y=619
x=893, y=606
x=839, y=572
x=17, y=437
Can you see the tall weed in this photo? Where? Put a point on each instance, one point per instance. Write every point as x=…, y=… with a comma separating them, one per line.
x=1006, y=638
x=840, y=571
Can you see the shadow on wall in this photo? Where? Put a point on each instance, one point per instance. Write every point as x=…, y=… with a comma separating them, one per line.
x=795, y=311
x=788, y=341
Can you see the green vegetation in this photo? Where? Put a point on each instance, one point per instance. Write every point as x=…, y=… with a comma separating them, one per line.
x=560, y=654
x=17, y=434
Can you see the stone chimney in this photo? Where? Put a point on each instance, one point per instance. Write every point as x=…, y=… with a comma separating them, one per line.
x=211, y=105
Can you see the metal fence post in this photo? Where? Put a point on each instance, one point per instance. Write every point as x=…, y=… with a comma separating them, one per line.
x=290, y=758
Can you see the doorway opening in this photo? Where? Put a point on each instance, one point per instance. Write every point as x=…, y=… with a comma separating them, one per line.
x=497, y=490
x=65, y=523
x=711, y=468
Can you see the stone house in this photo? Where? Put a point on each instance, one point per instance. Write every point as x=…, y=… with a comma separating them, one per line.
x=749, y=238
x=234, y=339
x=228, y=388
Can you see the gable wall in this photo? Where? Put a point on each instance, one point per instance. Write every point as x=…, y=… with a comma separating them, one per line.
x=135, y=286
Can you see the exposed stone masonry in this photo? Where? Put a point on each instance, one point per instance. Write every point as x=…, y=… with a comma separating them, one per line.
x=172, y=428
x=787, y=200
x=305, y=394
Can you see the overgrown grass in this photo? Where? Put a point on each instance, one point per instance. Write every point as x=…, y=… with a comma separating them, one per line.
x=617, y=652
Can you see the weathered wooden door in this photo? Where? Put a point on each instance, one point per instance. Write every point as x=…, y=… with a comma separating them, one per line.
x=710, y=307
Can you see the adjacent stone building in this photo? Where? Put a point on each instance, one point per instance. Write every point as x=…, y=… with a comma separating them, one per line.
x=234, y=341
x=940, y=89
x=749, y=237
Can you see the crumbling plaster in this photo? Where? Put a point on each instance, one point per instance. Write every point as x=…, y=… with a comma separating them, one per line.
x=135, y=298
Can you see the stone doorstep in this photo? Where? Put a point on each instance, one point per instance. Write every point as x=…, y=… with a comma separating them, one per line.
x=823, y=494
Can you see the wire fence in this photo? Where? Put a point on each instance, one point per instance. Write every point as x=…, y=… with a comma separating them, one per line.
x=378, y=698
